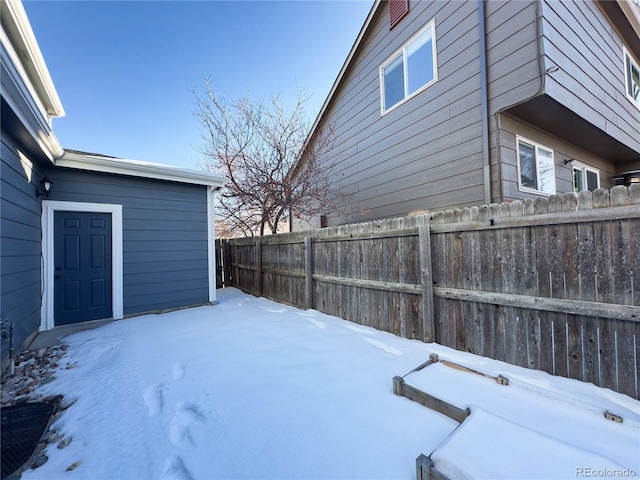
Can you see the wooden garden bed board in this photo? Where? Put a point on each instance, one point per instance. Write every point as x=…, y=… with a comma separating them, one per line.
x=487, y=446
x=516, y=410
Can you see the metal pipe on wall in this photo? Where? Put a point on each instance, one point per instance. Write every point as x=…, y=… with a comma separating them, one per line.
x=485, y=101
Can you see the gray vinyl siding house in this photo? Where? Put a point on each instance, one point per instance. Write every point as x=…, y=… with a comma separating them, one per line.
x=146, y=229
x=555, y=85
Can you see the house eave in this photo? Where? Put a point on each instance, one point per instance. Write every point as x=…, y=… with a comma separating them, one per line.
x=137, y=168
x=548, y=114
x=23, y=41
x=25, y=106
x=624, y=16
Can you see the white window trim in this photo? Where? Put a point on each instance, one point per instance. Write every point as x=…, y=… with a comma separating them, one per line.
x=625, y=54
x=49, y=207
x=211, y=243
x=585, y=168
x=536, y=145
x=401, y=51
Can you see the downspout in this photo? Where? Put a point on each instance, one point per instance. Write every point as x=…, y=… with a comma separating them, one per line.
x=541, y=89
x=485, y=102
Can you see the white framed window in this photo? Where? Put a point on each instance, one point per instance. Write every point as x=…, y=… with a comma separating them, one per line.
x=536, y=168
x=409, y=70
x=632, y=78
x=585, y=177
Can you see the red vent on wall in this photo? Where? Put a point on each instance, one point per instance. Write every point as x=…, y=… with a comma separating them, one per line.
x=397, y=10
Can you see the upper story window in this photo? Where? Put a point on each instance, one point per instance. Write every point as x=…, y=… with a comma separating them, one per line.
x=632, y=78
x=410, y=70
x=536, y=170
x=585, y=177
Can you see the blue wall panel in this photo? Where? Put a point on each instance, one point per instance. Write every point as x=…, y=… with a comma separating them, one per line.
x=165, y=248
x=20, y=250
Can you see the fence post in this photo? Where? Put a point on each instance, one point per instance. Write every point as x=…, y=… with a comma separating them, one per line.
x=428, y=323
x=258, y=267
x=226, y=264
x=308, y=273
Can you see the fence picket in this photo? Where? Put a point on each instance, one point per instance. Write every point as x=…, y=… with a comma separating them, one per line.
x=526, y=282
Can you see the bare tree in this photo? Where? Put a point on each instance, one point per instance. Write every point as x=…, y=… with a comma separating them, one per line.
x=256, y=146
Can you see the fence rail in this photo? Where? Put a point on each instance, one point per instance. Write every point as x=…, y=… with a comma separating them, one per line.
x=550, y=284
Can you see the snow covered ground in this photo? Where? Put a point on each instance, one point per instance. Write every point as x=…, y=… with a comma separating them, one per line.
x=254, y=389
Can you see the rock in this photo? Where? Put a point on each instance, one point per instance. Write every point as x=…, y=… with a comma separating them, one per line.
x=24, y=391
x=70, y=366
x=56, y=427
x=73, y=466
x=65, y=443
x=25, y=398
x=53, y=437
x=52, y=398
x=66, y=403
x=39, y=461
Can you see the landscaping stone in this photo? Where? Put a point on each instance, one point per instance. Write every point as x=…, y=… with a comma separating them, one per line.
x=65, y=443
x=66, y=403
x=39, y=461
x=25, y=399
x=33, y=368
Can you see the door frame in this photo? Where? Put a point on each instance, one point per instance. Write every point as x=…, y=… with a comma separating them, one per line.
x=49, y=207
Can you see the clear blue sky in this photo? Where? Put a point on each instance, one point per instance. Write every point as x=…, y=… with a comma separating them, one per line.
x=125, y=71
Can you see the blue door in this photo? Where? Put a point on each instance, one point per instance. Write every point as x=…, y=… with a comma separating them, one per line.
x=82, y=261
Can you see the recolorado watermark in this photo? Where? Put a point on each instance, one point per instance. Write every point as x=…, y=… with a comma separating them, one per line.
x=590, y=472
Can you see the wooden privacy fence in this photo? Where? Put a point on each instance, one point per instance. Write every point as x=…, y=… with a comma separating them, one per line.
x=550, y=284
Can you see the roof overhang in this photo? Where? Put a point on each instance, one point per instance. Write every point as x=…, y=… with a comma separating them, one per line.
x=16, y=25
x=25, y=85
x=625, y=18
x=135, y=168
x=549, y=115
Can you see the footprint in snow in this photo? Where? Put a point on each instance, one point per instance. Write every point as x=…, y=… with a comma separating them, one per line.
x=186, y=414
x=177, y=371
x=189, y=413
x=179, y=434
x=384, y=347
x=154, y=399
x=174, y=469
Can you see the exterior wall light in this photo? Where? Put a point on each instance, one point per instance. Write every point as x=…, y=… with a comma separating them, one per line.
x=45, y=186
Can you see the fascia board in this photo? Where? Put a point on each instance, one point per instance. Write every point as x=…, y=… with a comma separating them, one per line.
x=23, y=38
x=136, y=168
x=18, y=93
x=13, y=64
